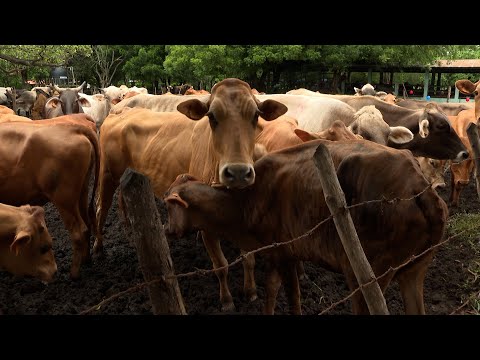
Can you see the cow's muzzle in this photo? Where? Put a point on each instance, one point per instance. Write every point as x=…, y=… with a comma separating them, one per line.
x=237, y=175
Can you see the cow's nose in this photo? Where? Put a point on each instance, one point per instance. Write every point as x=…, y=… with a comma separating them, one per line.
x=237, y=175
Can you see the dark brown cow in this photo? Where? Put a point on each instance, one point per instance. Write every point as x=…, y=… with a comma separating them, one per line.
x=287, y=201
x=25, y=243
x=51, y=160
x=38, y=109
x=218, y=148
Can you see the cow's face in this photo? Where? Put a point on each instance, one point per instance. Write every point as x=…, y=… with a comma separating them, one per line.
x=179, y=219
x=468, y=88
x=31, y=251
x=461, y=172
x=69, y=99
x=436, y=138
x=433, y=170
x=233, y=114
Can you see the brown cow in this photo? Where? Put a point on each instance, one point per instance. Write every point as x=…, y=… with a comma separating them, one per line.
x=38, y=109
x=25, y=243
x=13, y=117
x=461, y=173
x=288, y=182
x=218, y=148
x=433, y=170
x=51, y=160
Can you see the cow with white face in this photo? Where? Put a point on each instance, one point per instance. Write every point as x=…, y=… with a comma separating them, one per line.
x=97, y=106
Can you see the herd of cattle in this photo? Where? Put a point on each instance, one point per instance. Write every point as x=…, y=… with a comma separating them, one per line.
x=237, y=166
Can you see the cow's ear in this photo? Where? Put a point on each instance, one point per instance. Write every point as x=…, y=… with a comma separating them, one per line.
x=194, y=109
x=400, y=134
x=84, y=102
x=21, y=239
x=423, y=128
x=357, y=91
x=304, y=135
x=175, y=198
x=465, y=86
x=53, y=103
x=271, y=109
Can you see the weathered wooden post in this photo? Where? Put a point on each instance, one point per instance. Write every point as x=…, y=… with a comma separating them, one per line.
x=335, y=200
x=472, y=132
x=152, y=247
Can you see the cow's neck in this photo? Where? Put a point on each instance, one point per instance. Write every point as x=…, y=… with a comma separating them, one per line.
x=204, y=163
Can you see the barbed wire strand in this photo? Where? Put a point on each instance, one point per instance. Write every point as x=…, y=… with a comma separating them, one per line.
x=396, y=268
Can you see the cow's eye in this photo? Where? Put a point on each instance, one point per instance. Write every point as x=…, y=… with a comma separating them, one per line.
x=45, y=248
x=213, y=121
x=475, y=92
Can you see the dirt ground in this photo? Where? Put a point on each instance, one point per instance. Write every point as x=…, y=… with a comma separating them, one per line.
x=444, y=284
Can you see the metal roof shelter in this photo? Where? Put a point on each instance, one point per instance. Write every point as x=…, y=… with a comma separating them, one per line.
x=432, y=73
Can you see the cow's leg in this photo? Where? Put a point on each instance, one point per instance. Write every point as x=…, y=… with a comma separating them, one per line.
x=291, y=285
x=411, y=281
x=249, y=287
x=106, y=190
x=272, y=284
x=359, y=305
x=212, y=244
x=78, y=230
x=301, y=271
x=453, y=190
x=121, y=210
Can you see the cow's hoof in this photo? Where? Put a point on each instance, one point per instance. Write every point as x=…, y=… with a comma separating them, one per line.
x=303, y=277
x=228, y=307
x=251, y=295
x=74, y=275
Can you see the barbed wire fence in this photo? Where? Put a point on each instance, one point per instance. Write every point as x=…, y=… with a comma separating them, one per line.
x=239, y=259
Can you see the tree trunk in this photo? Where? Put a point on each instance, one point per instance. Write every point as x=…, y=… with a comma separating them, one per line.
x=152, y=247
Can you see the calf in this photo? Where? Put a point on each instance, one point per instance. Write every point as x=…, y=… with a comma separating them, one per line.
x=287, y=201
x=25, y=243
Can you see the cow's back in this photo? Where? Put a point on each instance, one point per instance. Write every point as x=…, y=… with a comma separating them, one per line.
x=289, y=182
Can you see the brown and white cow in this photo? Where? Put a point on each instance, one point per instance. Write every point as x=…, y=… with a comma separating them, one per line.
x=288, y=181
x=51, y=160
x=434, y=136
x=25, y=243
x=218, y=148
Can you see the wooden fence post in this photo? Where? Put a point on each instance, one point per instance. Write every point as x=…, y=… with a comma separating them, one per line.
x=152, y=247
x=335, y=199
x=472, y=132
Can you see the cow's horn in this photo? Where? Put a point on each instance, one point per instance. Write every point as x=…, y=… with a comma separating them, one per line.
x=80, y=87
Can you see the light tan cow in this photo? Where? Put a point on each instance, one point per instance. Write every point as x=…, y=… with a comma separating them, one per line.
x=51, y=160
x=217, y=148
x=25, y=243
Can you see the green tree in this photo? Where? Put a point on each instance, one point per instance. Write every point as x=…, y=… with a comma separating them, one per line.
x=17, y=60
x=146, y=65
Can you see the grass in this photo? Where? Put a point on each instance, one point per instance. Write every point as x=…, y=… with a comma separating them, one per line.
x=469, y=224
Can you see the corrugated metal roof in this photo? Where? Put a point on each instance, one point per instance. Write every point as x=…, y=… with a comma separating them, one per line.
x=466, y=63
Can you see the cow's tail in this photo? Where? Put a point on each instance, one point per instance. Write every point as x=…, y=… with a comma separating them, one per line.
x=93, y=138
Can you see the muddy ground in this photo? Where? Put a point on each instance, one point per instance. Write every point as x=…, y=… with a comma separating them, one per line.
x=444, y=285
